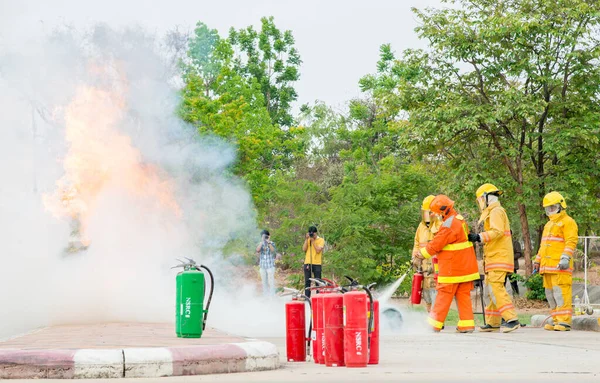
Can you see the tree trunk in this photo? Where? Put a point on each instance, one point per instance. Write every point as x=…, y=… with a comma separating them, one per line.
x=526, y=237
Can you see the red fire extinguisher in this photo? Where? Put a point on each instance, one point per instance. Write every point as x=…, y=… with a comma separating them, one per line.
x=317, y=332
x=296, y=340
x=357, y=324
x=417, y=288
x=333, y=323
x=374, y=335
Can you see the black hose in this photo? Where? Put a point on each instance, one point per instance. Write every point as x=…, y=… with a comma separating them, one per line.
x=372, y=313
x=212, y=289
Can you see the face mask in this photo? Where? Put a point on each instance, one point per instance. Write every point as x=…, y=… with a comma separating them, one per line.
x=481, y=202
x=426, y=216
x=552, y=209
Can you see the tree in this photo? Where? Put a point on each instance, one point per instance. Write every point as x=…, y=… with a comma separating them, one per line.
x=217, y=99
x=269, y=56
x=357, y=186
x=508, y=91
x=207, y=54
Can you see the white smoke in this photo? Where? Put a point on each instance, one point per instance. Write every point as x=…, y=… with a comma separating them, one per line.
x=125, y=274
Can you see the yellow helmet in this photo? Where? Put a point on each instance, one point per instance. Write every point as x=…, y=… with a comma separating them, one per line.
x=554, y=198
x=427, y=202
x=487, y=189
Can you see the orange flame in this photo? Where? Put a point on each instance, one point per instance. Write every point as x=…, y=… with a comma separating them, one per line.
x=100, y=156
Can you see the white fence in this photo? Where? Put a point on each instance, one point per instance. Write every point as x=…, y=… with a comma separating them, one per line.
x=587, y=242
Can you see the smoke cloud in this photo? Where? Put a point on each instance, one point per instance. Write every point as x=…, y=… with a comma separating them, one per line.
x=93, y=153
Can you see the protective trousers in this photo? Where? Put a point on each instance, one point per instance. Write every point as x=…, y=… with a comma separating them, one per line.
x=500, y=305
x=429, y=292
x=429, y=298
x=559, y=292
x=443, y=300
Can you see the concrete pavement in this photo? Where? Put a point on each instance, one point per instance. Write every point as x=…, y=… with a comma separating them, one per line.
x=118, y=350
x=527, y=355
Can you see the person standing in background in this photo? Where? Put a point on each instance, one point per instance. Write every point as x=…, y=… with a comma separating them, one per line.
x=554, y=261
x=266, y=261
x=313, y=246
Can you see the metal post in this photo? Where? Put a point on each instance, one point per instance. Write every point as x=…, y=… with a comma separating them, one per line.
x=586, y=298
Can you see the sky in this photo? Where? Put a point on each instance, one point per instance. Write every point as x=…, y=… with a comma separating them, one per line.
x=337, y=40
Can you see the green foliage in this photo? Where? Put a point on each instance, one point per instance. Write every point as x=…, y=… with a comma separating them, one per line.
x=269, y=57
x=535, y=286
x=221, y=99
x=358, y=189
x=505, y=93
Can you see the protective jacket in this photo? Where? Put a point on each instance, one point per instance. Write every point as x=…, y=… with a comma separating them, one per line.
x=560, y=236
x=423, y=235
x=456, y=255
x=496, y=239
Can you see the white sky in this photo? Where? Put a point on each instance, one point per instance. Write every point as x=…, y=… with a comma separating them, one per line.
x=337, y=39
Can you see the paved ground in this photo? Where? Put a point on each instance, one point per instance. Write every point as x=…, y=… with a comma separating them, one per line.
x=130, y=350
x=114, y=335
x=528, y=355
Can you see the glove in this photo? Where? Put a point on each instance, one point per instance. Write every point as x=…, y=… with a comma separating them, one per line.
x=417, y=262
x=474, y=237
x=536, y=267
x=564, y=262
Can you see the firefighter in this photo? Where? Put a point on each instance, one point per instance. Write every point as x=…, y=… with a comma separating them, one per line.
x=457, y=266
x=498, y=259
x=428, y=226
x=554, y=260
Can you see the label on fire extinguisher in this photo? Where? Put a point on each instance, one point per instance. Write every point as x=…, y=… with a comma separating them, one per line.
x=344, y=315
x=313, y=335
x=358, y=342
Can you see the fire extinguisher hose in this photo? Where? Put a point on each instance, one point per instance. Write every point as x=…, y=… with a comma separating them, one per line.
x=371, y=313
x=210, y=295
x=308, y=338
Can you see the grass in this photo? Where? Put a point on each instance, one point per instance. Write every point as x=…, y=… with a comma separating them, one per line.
x=452, y=318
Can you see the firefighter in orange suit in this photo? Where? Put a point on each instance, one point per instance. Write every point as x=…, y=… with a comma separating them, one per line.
x=457, y=265
x=428, y=226
x=498, y=259
x=554, y=260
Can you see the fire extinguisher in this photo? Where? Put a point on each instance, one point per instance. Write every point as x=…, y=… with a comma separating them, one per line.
x=374, y=334
x=333, y=329
x=318, y=333
x=296, y=340
x=190, y=314
x=417, y=288
x=357, y=325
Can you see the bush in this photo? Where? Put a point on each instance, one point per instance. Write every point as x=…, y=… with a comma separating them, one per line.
x=535, y=286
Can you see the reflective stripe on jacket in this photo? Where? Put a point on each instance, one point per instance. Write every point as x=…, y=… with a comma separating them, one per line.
x=496, y=239
x=559, y=237
x=456, y=255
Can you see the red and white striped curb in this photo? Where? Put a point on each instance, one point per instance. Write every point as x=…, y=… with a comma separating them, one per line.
x=138, y=362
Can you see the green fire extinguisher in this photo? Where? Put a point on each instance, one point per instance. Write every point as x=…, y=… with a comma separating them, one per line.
x=190, y=311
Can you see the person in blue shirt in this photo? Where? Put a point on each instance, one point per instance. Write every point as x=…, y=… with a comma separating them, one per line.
x=266, y=253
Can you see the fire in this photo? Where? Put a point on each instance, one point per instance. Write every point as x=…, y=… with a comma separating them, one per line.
x=100, y=156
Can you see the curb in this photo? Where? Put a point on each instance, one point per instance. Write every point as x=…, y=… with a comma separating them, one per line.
x=138, y=362
x=580, y=323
